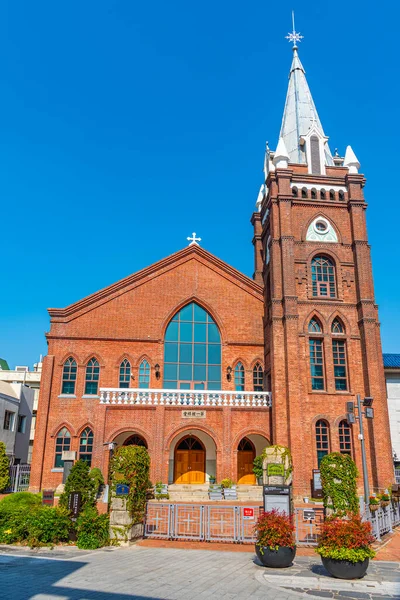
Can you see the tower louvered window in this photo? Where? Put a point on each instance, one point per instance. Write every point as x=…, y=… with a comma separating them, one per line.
x=315, y=155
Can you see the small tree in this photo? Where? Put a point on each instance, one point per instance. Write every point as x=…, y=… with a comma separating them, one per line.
x=4, y=468
x=339, y=484
x=79, y=480
x=131, y=465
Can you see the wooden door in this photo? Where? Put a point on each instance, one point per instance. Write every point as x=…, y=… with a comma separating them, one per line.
x=182, y=471
x=245, y=467
x=196, y=465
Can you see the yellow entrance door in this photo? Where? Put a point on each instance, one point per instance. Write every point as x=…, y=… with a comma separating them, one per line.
x=245, y=467
x=190, y=461
x=196, y=466
x=182, y=471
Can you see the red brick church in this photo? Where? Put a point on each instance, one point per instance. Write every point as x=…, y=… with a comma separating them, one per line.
x=205, y=366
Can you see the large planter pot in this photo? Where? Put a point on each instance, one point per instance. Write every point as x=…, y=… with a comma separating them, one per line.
x=278, y=559
x=373, y=507
x=344, y=569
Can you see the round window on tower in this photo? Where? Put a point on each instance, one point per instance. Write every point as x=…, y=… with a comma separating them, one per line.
x=321, y=226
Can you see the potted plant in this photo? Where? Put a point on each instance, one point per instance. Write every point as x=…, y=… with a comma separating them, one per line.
x=345, y=546
x=212, y=479
x=373, y=503
x=229, y=488
x=258, y=468
x=275, y=543
x=385, y=500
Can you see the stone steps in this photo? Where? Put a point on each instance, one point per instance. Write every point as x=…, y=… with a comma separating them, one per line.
x=198, y=493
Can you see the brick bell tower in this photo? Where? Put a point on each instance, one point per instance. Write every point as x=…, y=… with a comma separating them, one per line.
x=322, y=333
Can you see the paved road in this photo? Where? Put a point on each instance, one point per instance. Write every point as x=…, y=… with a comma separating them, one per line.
x=140, y=573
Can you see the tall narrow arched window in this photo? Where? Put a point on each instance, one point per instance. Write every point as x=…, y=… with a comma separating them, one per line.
x=304, y=193
x=258, y=378
x=192, y=351
x=313, y=194
x=323, y=194
x=341, y=195
x=92, y=377
x=86, y=446
x=332, y=195
x=345, y=440
x=124, y=374
x=316, y=348
x=239, y=377
x=63, y=444
x=322, y=439
x=144, y=374
x=295, y=192
x=69, y=376
x=323, y=277
x=339, y=364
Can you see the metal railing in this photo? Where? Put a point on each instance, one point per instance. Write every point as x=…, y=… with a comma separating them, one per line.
x=19, y=478
x=384, y=519
x=201, y=522
x=199, y=398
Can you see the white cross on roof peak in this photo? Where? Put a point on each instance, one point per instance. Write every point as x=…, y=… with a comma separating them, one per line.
x=193, y=240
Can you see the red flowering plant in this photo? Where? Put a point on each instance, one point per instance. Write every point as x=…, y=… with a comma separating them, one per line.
x=274, y=530
x=346, y=539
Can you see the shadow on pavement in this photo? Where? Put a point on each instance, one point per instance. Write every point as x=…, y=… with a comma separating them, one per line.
x=23, y=578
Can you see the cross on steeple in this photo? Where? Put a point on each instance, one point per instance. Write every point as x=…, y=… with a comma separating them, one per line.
x=294, y=36
x=193, y=240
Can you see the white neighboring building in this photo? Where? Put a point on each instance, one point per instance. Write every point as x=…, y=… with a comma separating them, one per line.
x=31, y=379
x=391, y=363
x=16, y=405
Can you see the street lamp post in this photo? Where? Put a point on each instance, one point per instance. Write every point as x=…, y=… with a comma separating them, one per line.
x=351, y=418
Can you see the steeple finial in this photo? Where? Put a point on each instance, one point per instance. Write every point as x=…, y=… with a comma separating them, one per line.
x=294, y=36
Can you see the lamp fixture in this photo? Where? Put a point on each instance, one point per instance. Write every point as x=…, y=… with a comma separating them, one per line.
x=157, y=368
x=228, y=373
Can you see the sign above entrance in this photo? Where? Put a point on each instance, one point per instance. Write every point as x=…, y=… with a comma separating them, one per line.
x=193, y=414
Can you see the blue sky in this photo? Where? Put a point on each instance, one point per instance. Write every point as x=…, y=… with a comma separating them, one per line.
x=125, y=126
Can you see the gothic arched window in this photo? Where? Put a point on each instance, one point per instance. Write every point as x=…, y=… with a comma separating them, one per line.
x=331, y=194
x=69, y=376
x=313, y=194
x=322, y=439
x=341, y=195
x=63, y=444
x=92, y=377
x=86, y=446
x=144, y=374
x=192, y=351
x=314, y=326
x=239, y=377
x=258, y=378
x=323, y=277
x=323, y=194
x=124, y=374
x=295, y=192
x=337, y=327
x=304, y=193
x=339, y=364
x=345, y=440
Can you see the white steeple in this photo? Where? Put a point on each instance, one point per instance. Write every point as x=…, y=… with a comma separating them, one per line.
x=300, y=114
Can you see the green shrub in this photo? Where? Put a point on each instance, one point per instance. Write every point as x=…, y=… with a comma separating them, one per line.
x=48, y=525
x=339, y=483
x=258, y=466
x=20, y=500
x=79, y=480
x=130, y=465
x=97, y=476
x=227, y=483
x=37, y=525
x=4, y=468
x=92, y=529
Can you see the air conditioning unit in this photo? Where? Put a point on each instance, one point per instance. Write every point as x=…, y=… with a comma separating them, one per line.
x=22, y=369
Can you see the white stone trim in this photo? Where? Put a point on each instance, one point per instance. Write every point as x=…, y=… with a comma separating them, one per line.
x=313, y=235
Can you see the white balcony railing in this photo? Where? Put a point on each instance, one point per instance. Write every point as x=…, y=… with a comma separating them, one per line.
x=147, y=397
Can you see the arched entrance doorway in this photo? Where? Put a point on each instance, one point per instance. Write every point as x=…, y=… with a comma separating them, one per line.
x=189, y=461
x=245, y=457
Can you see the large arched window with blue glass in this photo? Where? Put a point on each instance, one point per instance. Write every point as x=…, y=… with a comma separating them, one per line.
x=192, y=351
